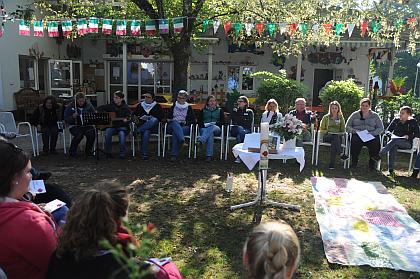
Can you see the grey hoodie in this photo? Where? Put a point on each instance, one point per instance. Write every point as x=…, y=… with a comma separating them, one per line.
x=372, y=123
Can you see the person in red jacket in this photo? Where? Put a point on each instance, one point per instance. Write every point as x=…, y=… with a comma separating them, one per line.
x=28, y=235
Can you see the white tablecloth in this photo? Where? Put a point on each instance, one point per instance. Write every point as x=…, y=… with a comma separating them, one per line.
x=251, y=158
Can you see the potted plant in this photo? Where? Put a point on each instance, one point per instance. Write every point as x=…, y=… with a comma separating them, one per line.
x=396, y=85
x=288, y=128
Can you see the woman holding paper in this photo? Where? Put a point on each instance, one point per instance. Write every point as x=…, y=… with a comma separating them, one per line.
x=402, y=130
x=365, y=127
x=28, y=234
x=210, y=121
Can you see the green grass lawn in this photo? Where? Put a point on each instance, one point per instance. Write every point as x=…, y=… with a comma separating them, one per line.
x=190, y=209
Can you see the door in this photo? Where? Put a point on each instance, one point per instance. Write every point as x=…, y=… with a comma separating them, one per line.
x=65, y=77
x=321, y=77
x=246, y=80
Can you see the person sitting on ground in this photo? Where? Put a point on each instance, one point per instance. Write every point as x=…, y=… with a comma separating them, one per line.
x=402, y=130
x=271, y=114
x=73, y=115
x=272, y=250
x=242, y=120
x=210, y=121
x=364, y=120
x=120, y=127
x=28, y=234
x=332, y=129
x=147, y=114
x=180, y=118
x=45, y=117
x=306, y=116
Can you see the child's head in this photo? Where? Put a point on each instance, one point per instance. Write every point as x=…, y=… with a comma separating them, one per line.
x=405, y=113
x=271, y=251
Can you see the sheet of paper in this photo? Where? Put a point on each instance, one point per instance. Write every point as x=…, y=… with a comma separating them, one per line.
x=365, y=135
x=396, y=137
x=115, y=72
x=54, y=205
x=37, y=187
x=251, y=140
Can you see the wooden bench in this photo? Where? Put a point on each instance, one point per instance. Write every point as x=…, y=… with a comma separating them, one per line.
x=27, y=100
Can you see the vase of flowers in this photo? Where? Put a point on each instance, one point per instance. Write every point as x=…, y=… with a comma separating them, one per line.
x=288, y=127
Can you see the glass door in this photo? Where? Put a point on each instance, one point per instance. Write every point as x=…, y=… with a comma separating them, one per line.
x=65, y=77
x=147, y=80
x=115, y=77
x=246, y=81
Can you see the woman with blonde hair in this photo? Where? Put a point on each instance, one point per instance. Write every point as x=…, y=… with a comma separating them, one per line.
x=332, y=128
x=271, y=113
x=272, y=251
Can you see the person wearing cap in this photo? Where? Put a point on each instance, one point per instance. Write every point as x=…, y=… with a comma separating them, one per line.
x=180, y=118
x=148, y=114
x=120, y=127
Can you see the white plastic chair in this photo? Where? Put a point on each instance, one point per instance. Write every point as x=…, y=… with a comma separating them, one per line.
x=167, y=136
x=229, y=138
x=61, y=130
x=219, y=138
x=319, y=142
x=414, y=150
x=9, y=123
x=381, y=140
x=135, y=138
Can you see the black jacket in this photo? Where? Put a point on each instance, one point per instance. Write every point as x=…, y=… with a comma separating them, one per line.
x=121, y=111
x=409, y=128
x=242, y=117
x=189, y=119
x=48, y=117
x=68, y=113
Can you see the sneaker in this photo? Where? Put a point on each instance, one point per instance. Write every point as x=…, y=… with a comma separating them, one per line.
x=8, y=135
x=344, y=157
x=391, y=173
x=331, y=166
x=238, y=160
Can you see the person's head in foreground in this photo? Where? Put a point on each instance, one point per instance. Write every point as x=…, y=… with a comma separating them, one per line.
x=95, y=216
x=271, y=251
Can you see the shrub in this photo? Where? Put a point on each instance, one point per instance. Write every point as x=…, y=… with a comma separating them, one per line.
x=346, y=92
x=390, y=107
x=278, y=87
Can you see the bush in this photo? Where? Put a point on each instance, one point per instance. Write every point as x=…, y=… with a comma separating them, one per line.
x=346, y=92
x=278, y=87
x=389, y=108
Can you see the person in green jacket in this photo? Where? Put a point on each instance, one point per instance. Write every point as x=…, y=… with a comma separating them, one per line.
x=332, y=128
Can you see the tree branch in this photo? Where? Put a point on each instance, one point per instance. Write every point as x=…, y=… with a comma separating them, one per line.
x=198, y=7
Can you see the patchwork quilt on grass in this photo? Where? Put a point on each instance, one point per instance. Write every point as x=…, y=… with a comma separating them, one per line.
x=361, y=224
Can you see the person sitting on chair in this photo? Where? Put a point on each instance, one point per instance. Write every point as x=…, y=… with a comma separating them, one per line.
x=416, y=168
x=242, y=119
x=73, y=115
x=180, y=118
x=364, y=119
x=45, y=117
x=332, y=129
x=148, y=115
x=120, y=127
x=210, y=121
x=405, y=128
x=271, y=114
x=306, y=116
x=272, y=250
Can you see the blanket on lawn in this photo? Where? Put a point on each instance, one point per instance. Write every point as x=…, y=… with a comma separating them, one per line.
x=361, y=224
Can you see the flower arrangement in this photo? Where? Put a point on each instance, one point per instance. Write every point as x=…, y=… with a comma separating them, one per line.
x=288, y=127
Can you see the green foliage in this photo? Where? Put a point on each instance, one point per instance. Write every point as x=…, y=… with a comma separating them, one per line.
x=390, y=107
x=346, y=92
x=278, y=87
x=406, y=67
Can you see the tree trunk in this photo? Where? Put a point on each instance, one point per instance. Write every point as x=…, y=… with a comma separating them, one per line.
x=181, y=55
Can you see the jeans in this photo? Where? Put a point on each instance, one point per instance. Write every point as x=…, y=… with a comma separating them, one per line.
x=207, y=134
x=145, y=130
x=392, y=147
x=78, y=132
x=122, y=132
x=335, y=141
x=239, y=132
x=417, y=163
x=306, y=137
x=178, y=132
x=60, y=214
x=356, y=146
x=49, y=137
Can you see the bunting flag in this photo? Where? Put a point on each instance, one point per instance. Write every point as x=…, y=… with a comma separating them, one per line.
x=150, y=27
x=93, y=25
x=24, y=29
x=271, y=28
x=163, y=26
x=303, y=28
x=375, y=26
x=81, y=26
x=315, y=29
x=205, y=25
x=350, y=28
x=398, y=23
x=259, y=28
x=237, y=26
x=363, y=27
x=248, y=28
x=107, y=26
x=135, y=28
x=38, y=28
x=227, y=27
x=121, y=28
x=1, y=31
x=216, y=25
x=412, y=22
x=67, y=27
x=53, y=29
x=327, y=28
x=178, y=23
x=282, y=27
x=292, y=28
x=338, y=28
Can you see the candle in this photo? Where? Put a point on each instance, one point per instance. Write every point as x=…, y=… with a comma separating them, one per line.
x=264, y=131
x=264, y=146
